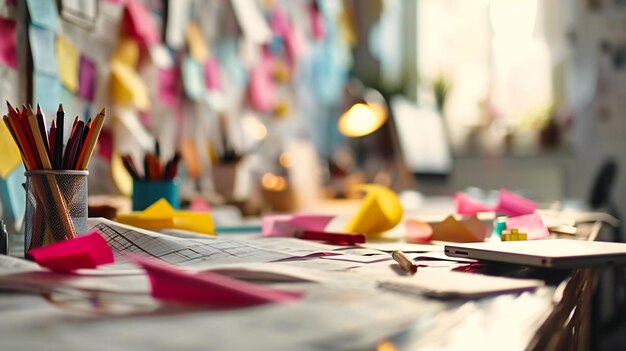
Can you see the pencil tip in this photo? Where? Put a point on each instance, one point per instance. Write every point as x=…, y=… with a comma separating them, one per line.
x=61, y=108
x=39, y=110
x=104, y=111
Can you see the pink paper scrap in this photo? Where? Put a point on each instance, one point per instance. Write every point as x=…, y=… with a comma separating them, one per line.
x=467, y=206
x=172, y=284
x=200, y=205
x=168, y=86
x=140, y=24
x=8, y=52
x=531, y=224
x=212, y=77
x=514, y=205
x=88, y=251
x=288, y=225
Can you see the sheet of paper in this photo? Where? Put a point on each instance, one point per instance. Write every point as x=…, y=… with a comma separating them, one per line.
x=251, y=21
x=193, y=74
x=170, y=283
x=380, y=210
x=47, y=89
x=8, y=51
x=42, y=47
x=187, y=252
x=401, y=246
x=178, y=13
x=358, y=258
x=68, y=63
x=87, y=75
x=467, y=206
x=44, y=13
x=168, y=86
x=141, y=24
x=513, y=205
x=531, y=224
x=443, y=284
x=88, y=251
x=10, y=156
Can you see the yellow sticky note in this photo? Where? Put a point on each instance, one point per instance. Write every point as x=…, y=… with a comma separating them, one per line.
x=127, y=88
x=126, y=52
x=10, y=155
x=380, y=210
x=122, y=180
x=161, y=215
x=67, y=62
x=195, y=41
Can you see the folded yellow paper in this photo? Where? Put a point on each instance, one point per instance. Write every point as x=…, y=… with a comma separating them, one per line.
x=161, y=215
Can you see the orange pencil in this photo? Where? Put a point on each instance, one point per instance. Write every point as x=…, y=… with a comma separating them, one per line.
x=90, y=141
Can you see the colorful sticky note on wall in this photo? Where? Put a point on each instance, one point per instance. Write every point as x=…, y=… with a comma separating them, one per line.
x=380, y=210
x=47, y=90
x=192, y=78
x=139, y=23
x=127, y=88
x=67, y=61
x=87, y=78
x=13, y=197
x=8, y=50
x=168, y=86
x=212, y=77
x=196, y=43
x=126, y=52
x=44, y=13
x=10, y=156
x=42, y=47
x=261, y=87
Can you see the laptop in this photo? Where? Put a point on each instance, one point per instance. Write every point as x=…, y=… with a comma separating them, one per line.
x=555, y=253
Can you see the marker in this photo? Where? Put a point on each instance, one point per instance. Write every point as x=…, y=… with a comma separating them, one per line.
x=331, y=238
x=404, y=262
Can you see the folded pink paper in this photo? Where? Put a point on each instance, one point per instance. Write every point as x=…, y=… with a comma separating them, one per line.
x=513, y=205
x=170, y=283
x=531, y=224
x=288, y=225
x=87, y=251
x=467, y=206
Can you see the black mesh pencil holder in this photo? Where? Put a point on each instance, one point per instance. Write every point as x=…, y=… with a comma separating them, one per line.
x=56, y=206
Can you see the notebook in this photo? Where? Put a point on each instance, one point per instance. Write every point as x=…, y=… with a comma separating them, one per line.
x=556, y=253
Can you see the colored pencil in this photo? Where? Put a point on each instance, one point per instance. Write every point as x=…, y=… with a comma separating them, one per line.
x=58, y=140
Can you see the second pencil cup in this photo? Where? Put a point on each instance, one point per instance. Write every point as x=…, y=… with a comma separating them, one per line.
x=56, y=206
x=147, y=192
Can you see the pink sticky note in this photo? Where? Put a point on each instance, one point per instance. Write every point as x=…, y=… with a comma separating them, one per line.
x=8, y=52
x=212, y=77
x=288, y=225
x=87, y=251
x=170, y=283
x=513, y=205
x=283, y=28
x=467, y=206
x=199, y=205
x=318, y=29
x=86, y=78
x=168, y=86
x=139, y=23
x=105, y=145
x=261, y=87
x=530, y=224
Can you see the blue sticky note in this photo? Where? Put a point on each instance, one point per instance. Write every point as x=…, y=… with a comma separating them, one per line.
x=42, y=43
x=227, y=52
x=193, y=78
x=13, y=197
x=44, y=13
x=47, y=90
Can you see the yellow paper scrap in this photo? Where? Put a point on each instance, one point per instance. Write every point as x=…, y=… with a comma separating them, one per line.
x=196, y=43
x=126, y=52
x=122, y=180
x=10, y=155
x=127, y=88
x=68, y=59
x=161, y=215
x=380, y=210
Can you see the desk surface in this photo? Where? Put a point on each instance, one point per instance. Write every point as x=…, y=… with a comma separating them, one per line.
x=347, y=312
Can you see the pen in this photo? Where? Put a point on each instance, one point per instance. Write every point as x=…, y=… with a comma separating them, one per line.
x=4, y=239
x=404, y=262
x=331, y=238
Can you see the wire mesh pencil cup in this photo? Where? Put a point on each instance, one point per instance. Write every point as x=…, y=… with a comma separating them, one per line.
x=56, y=206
